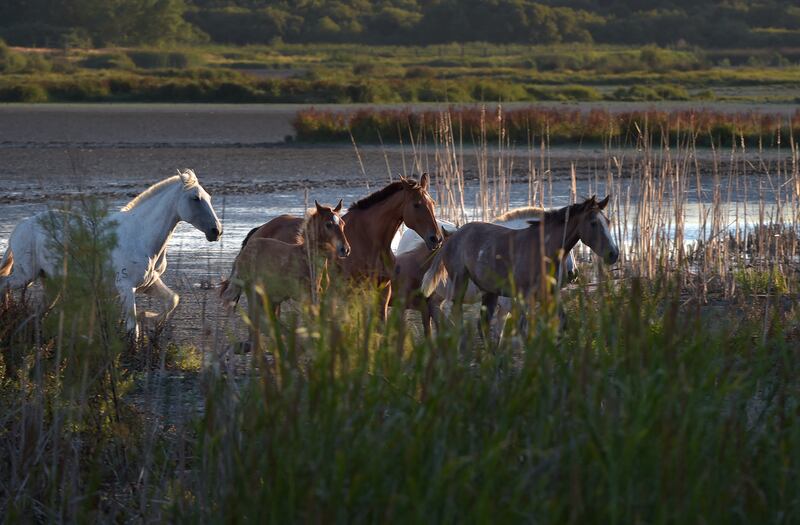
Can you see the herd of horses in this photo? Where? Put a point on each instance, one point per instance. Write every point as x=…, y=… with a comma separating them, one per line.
x=295, y=257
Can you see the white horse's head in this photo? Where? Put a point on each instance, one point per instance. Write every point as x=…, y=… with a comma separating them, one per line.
x=195, y=207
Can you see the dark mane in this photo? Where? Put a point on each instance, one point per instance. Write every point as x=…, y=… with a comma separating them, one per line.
x=384, y=194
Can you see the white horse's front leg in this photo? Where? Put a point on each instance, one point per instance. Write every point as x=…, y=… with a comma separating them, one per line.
x=127, y=295
x=169, y=298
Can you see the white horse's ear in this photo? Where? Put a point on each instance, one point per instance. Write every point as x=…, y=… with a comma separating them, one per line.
x=424, y=180
x=338, y=207
x=187, y=176
x=603, y=203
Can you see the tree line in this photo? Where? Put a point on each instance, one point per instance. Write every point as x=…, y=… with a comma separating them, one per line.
x=419, y=22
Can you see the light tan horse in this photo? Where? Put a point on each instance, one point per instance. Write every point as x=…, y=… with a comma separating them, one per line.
x=287, y=270
x=513, y=263
x=371, y=225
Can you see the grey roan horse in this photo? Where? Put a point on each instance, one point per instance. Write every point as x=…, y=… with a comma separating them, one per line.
x=512, y=263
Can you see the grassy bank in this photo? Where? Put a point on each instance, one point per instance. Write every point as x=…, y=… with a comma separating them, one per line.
x=556, y=126
x=383, y=74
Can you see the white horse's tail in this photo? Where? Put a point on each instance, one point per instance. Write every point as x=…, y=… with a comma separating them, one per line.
x=435, y=274
x=7, y=264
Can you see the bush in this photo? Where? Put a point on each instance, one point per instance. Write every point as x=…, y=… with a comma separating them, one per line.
x=161, y=59
x=108, y=61
x=23, y=93
x=636, y=94
x=420, y=72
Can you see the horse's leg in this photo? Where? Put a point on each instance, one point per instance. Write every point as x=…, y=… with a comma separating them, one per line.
x=488, y=305
x=425, y=309
x=504, y=306
x=168, y=298
x=276, y=309
x=460, y=283
x=386, y=297
x=127, y=295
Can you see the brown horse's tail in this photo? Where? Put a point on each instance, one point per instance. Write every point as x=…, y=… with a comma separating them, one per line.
x=7, y=264
x=229, y=290
x=435, y=274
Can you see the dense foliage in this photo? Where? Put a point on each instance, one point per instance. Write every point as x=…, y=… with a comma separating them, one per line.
x=100, y=22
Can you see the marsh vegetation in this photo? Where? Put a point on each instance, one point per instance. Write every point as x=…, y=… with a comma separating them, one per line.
x=671, y=395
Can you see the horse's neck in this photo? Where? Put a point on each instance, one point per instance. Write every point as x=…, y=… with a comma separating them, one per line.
x=563, y=237
x=154, y=219
x=556, y=237
x=379, y=223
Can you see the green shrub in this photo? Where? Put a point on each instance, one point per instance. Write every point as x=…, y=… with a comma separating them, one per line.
x=162, y=59
x=79, y=89
x=108, y=61
x=420, y=72
x=672, y=92
x=23, y=93
x=636, y=93
x=581, y=93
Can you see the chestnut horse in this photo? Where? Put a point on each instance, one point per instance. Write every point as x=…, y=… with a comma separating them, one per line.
x=511, y=263
x=371, y=225
x=287, y=270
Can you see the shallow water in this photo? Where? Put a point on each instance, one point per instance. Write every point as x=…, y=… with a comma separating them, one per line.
x=49, y=152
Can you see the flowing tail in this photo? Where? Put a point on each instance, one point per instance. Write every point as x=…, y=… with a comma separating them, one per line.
x=435, y=274
x=7, y=264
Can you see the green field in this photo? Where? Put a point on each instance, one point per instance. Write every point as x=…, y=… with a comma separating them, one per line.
x=347, y=73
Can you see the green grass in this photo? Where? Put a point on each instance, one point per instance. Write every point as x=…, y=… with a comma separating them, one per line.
x=640, y=411
x=384, y=74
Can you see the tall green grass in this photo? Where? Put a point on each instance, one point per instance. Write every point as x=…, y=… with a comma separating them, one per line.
x=671, y=396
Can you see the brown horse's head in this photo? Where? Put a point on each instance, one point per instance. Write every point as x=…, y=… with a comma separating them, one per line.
x=326, y=229
x=418, y=211
x=593, y=229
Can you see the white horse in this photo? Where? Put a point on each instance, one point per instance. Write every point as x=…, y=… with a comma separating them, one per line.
x=142, y=228
x=516, y=219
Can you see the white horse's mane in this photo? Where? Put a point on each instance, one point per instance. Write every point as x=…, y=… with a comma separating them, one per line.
x=187, y=177
x=526, y=212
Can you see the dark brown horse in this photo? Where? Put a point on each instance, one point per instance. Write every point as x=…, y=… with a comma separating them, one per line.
x=512, y=263
x=371, y=225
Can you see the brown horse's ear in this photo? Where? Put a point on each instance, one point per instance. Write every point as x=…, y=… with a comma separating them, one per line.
x=338, y=207
x=319, y=208
x=603, y=203
x=424, y=180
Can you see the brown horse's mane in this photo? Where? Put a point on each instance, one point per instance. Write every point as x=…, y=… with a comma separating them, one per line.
x=384, y=193
x=310, y=214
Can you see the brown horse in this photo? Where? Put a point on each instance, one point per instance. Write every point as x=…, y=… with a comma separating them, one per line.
x=409, y=268
x=512, y=263
x=288, y=270
x=371, y=225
